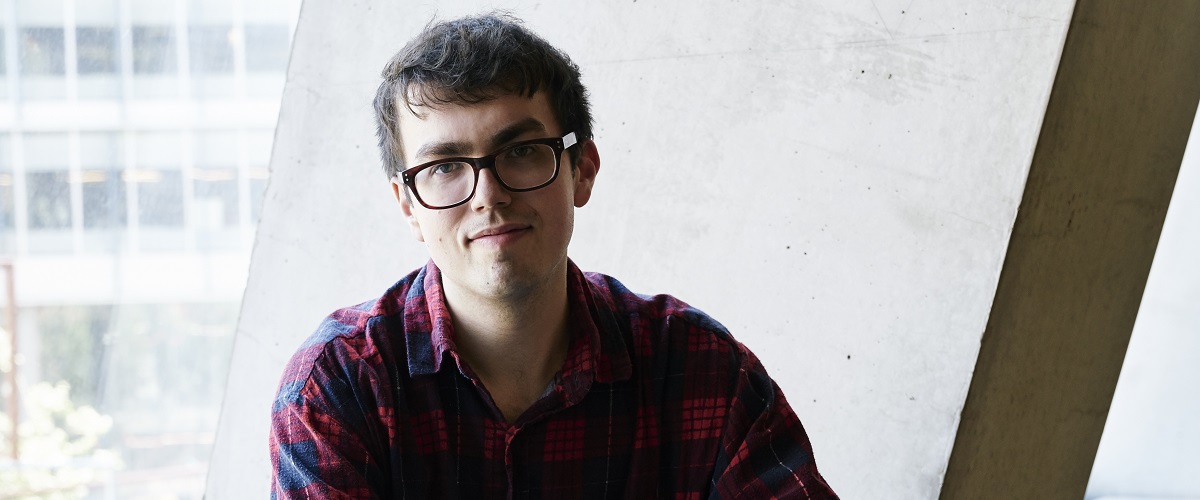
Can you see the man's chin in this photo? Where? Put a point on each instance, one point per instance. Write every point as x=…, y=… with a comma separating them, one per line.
x=505, y=279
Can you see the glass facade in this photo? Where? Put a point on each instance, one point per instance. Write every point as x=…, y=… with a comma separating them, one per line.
x=134, y=142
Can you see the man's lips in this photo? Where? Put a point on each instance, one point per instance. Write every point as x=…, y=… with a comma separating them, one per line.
x=497, y=231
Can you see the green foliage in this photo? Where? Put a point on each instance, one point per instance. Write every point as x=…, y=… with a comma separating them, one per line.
x=58, y=442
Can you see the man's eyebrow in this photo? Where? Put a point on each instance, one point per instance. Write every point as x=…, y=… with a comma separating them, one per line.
x=442, y=150
x=504, y=136
x=507, y=134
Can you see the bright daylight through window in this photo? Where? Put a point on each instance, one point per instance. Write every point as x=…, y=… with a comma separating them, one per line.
x=134, y=142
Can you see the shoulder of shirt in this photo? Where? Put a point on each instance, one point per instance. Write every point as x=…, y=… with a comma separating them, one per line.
x=665, y=313
x=341, y=338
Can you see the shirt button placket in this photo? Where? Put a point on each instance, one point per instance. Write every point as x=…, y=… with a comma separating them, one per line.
x=509, y=435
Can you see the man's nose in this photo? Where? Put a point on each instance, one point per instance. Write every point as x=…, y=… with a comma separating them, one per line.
x=488, y=191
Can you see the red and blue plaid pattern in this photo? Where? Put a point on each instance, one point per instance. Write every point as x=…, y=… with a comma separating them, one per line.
x=655, y=400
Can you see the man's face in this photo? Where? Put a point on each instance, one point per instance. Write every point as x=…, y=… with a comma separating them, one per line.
x=499, y=244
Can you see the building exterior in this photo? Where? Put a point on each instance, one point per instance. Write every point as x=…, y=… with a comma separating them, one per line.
x=134, y=142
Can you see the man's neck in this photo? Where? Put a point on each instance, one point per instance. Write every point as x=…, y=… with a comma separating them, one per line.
x=514, y=345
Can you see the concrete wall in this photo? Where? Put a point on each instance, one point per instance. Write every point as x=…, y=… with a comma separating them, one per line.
x=834, y=181
x=1114, y=134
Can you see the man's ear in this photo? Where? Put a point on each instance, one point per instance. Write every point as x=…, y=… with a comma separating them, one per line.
x=406, y=207
x=585, y=172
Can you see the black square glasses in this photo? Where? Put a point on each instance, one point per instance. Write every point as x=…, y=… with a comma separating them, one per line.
x=523, y=166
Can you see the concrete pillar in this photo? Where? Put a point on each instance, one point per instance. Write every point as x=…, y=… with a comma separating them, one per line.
x=1101, y=178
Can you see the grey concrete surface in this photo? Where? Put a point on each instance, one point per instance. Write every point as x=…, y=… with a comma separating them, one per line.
x=834, y=181
x=1115, y=131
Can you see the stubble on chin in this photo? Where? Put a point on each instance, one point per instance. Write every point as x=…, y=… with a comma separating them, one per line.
x=505, y=280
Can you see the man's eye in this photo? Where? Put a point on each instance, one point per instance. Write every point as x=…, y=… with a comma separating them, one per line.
x=520, y=151
x=446, y=168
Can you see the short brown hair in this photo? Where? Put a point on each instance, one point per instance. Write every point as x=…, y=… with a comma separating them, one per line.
x=474, y=59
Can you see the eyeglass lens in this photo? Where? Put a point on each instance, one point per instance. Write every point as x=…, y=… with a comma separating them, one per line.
x=521, y=167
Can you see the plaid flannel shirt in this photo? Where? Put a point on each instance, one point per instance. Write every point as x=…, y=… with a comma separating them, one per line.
x=655, y=400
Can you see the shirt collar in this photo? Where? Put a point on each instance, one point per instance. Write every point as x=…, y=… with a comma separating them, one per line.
x=428, y=330
x=597, y=348
x=597, y=343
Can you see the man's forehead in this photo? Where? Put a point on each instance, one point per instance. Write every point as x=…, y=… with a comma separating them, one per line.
x=461, y=126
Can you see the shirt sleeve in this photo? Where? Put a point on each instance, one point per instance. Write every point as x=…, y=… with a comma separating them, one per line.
x=765, y=452
x=317, y=442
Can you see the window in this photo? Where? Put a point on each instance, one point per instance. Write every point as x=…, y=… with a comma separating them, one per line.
x=148, y=220
x=96, y=49
x=6, y=213
x=100, y=157
x=155, y=62
x=103, y=198
x=153, y=49
x=6, y=200
x=7, y=216
x=47, y=188
x=41, y=51
x=216, y=197
x=97, y=62
x=210, y=56
x=49, y=201
x=210, y=49
x=160, y=195
x=159, y=180
x=215, y=178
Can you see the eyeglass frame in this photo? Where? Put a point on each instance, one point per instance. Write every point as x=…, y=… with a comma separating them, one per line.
x=558, y=144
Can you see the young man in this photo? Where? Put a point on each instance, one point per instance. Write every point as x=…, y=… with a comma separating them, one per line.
x=499, y=369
